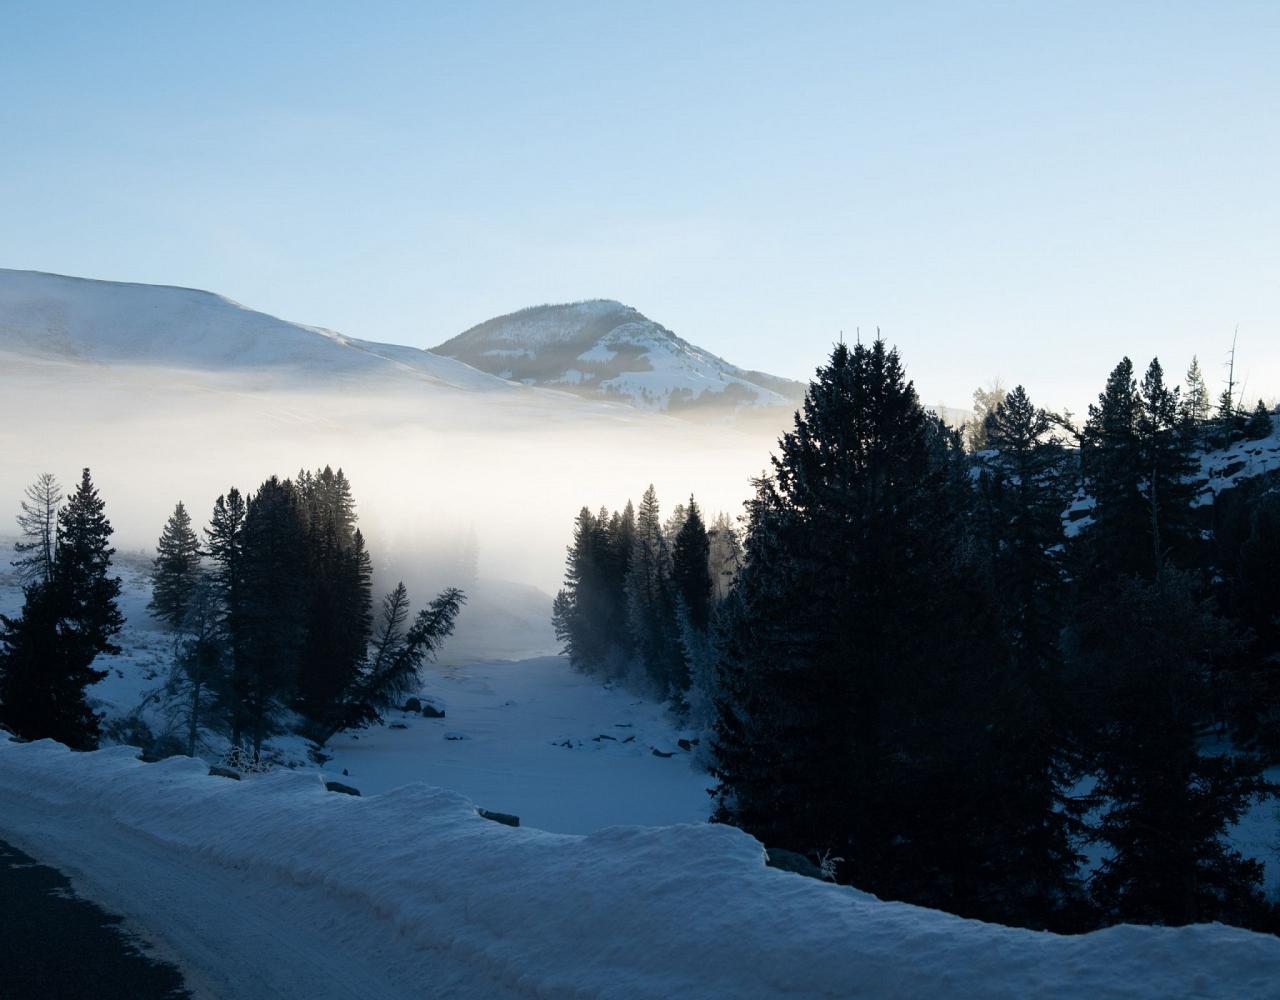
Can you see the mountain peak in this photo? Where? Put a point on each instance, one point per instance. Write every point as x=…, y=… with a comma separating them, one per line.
x=601, y=348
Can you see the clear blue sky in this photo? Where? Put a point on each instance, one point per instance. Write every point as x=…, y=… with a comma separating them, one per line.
x=1023, y=189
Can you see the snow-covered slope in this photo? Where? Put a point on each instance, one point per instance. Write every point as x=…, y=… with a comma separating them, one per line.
x=481, y=909
x=80, y=321
x=1214, y=471
x=603, y=349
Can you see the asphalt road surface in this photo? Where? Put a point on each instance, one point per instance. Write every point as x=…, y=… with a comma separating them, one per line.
x=56, y=946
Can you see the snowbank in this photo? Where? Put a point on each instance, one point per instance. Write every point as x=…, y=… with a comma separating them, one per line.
x=686, y=911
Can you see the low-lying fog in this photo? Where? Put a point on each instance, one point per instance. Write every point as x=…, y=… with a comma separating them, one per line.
x=449, y=483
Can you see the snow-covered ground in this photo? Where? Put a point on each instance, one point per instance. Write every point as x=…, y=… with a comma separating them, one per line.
x=273, y=886
x=530, y=737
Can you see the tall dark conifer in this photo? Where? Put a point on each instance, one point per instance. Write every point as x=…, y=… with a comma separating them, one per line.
x=1144, y=648
x=856, y=665
x=225, y=543
x=273, y=617
x=691, y=567
x=1119, y=541
x=176, y=569
x=47, y=654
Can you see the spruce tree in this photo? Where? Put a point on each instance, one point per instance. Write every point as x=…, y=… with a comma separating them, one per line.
x=225, y=545
x=47, y=654
x=82, y=564
x=1196, y=405
x=691, y=567
x=582, y=611
x=1144, y=649
x=1166, y=443
x=1259, y=425
x=393, y=666
x=1111, y=455
x=273, y=616
x=855, y=664
x=725, y=556
x=1025, y=485
x=651, y=608
x=176, y=569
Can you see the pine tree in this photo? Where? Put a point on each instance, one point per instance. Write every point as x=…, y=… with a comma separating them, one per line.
x=1144, y=649
x=225, y=545
x=1025, y=486
x=47, y=654
x=176, y=569
x=582, y=612
x=1196, y=405
x=691, y=567
x=855, y=665
x=1165, y=446
x=1259, y=425
x=38, y=523
x=725, y=557
x=273, y=616
x=985, y=402
x=1119, y=541
x=1253, y=685
x=651, y=609
x=394, y=665
x=82, y=562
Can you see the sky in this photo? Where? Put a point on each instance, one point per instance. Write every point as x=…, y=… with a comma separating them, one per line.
x=1024, y=190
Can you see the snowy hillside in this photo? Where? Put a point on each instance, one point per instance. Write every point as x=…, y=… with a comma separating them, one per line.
x=78, y=321
x=603, y=349
x=169, y=393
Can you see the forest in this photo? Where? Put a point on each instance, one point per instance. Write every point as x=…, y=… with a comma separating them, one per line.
x=272, y=616
x=1019, y=670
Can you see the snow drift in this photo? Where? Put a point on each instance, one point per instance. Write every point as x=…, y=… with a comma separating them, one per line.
x=625, y=912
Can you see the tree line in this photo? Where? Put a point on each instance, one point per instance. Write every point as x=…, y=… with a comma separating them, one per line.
x=271, y=612
x=638, y=597
x=929, y=677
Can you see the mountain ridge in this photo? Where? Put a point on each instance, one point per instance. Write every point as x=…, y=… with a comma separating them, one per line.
x=603, y=349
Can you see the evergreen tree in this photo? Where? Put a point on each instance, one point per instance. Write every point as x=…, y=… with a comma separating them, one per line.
x=855, y=665
x=47, y=654
x=176, y=569
x=1144, y=649
x=1166, y=443
x=725, y=556
x=1025, y=487
x=1196, y=405
x=985, y=401
x=225, y=545
x=1259, y=425
x=582, y=613
x=691, y=567
x=394, y=665
x=1111, y=455
x=651, y=609
x=38, y=523
x=272, y=620
x=1253, y=685
x=82, y=563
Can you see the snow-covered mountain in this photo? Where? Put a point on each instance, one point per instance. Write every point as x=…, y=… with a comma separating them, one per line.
x=602, y=349
x=172, y=393
x=53, y=318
